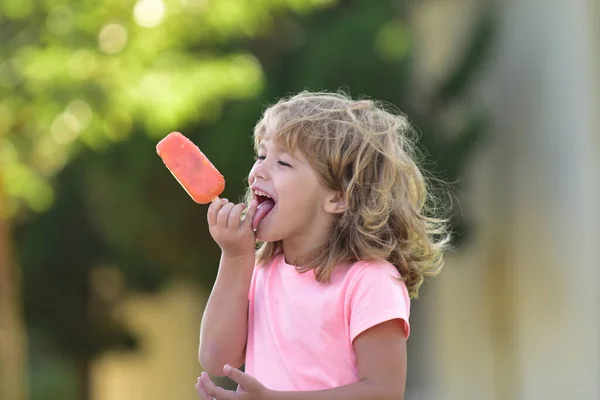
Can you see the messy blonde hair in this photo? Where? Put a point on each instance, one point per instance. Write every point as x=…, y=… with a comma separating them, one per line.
x=366, y=152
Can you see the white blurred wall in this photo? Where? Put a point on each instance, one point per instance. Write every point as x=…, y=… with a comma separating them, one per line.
x=167, y=325
x=516, y=315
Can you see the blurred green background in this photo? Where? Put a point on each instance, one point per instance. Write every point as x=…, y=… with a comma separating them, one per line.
x=89, y=214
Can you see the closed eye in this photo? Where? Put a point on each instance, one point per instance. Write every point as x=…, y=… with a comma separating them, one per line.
x=282, y=163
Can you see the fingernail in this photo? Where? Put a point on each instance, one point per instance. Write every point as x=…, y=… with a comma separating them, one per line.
x=225, y=200
x=227, y=368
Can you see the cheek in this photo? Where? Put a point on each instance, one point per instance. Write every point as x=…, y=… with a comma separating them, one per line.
x=300, y=194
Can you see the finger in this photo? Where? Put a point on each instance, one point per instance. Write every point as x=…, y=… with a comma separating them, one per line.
x=201, y=391
x=213, y=210
x=235, y=215
x=223, y=215
x=244, y=380
x=213, y=390
x=250, y=213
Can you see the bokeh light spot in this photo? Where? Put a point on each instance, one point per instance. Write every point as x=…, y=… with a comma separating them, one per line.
x=112, y=38
x=149, y=13
x=65, y=128
x=81, y=111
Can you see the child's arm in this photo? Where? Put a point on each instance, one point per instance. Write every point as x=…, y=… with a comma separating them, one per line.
x=381, y=357
x=224, y=327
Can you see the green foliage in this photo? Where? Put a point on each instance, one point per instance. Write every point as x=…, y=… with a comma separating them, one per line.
x=79, y=74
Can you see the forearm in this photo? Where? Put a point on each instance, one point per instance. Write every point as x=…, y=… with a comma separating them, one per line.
x=362, y=390
x=224, y=327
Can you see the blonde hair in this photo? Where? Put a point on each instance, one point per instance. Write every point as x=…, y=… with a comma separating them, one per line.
x=367, y=153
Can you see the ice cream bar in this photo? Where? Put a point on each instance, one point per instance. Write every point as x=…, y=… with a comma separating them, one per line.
x=192, y=169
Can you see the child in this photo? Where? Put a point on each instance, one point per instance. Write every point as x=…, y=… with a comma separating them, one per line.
x=320, y=310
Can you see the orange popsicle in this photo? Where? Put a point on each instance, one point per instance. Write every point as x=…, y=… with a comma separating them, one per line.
x=192, y=169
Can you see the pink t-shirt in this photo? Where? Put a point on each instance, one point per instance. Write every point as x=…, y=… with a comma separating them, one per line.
x=300, y=332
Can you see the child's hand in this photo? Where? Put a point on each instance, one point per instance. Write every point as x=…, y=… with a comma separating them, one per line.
x=248, y=387
x=233, y=235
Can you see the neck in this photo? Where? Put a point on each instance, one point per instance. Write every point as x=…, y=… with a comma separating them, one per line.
x=301, y=250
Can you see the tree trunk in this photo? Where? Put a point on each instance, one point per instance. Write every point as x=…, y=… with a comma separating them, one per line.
x=13, y=340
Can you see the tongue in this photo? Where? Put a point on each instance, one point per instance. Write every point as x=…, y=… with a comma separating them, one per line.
x=261, y=212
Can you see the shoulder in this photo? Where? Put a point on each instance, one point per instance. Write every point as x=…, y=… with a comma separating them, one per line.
x=373, y=270
x=376, y=293
x=376, y=280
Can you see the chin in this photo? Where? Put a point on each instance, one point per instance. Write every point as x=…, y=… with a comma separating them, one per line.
x=266, y=236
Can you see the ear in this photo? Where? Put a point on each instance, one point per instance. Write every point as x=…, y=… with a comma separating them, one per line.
x=335, y=203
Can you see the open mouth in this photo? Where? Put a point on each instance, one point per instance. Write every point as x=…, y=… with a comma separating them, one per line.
x=265, y=205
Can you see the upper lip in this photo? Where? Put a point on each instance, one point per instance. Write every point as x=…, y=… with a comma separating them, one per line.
x=255, y=188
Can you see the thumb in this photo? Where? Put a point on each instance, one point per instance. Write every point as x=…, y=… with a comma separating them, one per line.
x=244, y=380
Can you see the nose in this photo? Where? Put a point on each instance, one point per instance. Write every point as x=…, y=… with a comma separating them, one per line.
x=259, y=170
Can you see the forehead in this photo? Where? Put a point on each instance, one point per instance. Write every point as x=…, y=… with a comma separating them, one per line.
x=270, y=144
x=272, y=120
x=270, y=137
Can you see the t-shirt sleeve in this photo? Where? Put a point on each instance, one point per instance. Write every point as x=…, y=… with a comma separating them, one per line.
x=376, y=295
